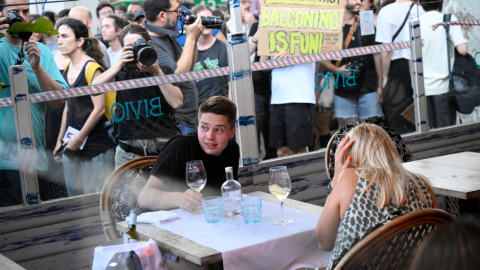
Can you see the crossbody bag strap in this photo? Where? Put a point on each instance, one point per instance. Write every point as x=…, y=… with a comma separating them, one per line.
x=403, y=24
x=349, y=38
x=447, y=18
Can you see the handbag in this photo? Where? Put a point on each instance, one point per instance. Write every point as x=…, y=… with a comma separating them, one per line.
x=464, y=78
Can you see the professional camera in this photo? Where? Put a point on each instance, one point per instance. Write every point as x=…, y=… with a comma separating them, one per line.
x=144, y=53
x=357, y=66
x=13, y=17
x=210, y=22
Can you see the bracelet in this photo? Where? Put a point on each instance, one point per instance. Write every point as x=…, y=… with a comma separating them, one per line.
x=40, y=68
x=254, y=40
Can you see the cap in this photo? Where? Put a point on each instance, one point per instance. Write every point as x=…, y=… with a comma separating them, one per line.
x=138, y=14
x=228, y=169
x=133, y=212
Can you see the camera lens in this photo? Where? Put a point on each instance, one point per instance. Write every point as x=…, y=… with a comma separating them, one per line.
x=147, y=56
x=212, y=22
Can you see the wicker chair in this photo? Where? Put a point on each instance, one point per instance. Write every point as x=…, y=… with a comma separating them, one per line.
x=403, y=153
x=392, y=246
x=120, y=192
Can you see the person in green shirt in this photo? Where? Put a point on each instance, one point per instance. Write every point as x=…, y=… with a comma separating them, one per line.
x=42, y=75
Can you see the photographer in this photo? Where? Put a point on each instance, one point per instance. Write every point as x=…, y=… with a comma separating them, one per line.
x=161, y=22
x=360, y=100
x=42, y=76
x=142, y=115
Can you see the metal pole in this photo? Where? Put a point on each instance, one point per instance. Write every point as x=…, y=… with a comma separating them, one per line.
x=26, y=142
x=242, y=87
x=420, y=100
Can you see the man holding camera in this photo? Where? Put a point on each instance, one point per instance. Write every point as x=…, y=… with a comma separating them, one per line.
x=42, y=76
x=212, y=53
x=161, y=22
x=358, y=93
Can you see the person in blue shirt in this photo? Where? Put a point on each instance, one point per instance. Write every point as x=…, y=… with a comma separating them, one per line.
x=42, y=76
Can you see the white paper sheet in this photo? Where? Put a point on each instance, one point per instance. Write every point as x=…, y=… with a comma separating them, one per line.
x=256, y=246
x=72, y=133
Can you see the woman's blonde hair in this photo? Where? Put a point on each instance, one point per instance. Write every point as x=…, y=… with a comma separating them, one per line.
x=375, y=158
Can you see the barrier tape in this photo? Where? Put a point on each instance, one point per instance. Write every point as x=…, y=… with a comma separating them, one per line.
x=203, y=74
x=464, y=23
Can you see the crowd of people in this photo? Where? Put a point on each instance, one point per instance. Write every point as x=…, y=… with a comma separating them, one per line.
x=291, y=115
x=85, y=138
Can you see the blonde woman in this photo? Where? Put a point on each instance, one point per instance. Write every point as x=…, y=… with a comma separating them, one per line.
x=370, y=186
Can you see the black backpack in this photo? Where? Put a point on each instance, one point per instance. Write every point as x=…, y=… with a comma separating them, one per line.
x=464, y=79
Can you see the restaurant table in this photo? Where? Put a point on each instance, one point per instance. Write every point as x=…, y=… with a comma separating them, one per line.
x=456, y=177
x=192, y=255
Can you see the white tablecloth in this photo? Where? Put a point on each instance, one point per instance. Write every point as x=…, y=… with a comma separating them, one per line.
x=256, y=246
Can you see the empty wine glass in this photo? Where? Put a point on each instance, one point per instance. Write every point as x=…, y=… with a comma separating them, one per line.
x=279, y=184
x=196, y=179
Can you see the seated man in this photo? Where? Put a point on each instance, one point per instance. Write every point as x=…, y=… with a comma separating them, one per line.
x=167, y=188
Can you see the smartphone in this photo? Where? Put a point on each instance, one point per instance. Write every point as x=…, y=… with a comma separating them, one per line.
x=60, y=150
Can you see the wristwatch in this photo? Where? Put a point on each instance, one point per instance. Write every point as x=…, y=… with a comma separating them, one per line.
x=254, y=40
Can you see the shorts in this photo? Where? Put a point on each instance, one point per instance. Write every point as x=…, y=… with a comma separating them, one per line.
x=362, y=106
x=292, y=124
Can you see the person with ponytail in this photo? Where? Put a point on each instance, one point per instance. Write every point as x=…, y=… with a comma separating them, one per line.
x=370, y=188
x=86, y=164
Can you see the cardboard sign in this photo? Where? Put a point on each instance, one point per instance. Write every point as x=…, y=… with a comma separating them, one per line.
x=300, y=27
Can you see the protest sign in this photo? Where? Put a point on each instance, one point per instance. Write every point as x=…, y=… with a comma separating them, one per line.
x=300, y=27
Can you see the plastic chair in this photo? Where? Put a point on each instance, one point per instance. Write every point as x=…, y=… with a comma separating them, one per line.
x=392, y=246
x=120, y=193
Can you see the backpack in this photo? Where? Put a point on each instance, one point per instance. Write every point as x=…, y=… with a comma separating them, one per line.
x=110, y=97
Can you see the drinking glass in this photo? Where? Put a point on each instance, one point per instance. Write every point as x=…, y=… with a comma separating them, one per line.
x=279, y=184
x=196, y=179
x=213, y=209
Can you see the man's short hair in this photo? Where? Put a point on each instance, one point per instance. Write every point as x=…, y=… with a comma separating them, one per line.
x=2, y=2
x=117, y=21
x=62, y=13
x=219, y=105
x=429, y=5
x=136, y=3
x=199, y=8
x=121, y=7
x=188, y=5
x=50, y=15
x=152, y=8
x=102, y=5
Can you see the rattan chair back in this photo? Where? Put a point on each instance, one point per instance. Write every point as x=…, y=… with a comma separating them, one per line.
x=403, y=153
x=120, y=193
x=392, y=246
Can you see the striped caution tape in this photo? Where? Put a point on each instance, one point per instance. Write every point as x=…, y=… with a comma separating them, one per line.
x=464, y=23
x=203, y=74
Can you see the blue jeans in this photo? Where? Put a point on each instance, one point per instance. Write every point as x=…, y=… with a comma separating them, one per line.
x=184, y=129
x=84, y=177
x=361, y=106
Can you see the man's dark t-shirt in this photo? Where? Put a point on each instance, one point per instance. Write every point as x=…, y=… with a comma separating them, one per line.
x=171, y=164
x=368, y=80
x=168, y=52
x=214, y=57
x=142, y=117
x=261, y=79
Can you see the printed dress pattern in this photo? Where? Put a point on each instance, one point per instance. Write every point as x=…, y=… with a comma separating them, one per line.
x=363, y=214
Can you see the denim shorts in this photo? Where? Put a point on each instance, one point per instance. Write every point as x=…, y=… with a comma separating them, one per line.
x=362, y=106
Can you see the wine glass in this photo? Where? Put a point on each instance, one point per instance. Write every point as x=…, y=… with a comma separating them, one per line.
x=196, y=179
x=280, y=185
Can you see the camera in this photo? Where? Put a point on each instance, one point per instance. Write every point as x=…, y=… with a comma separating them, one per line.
x=144, y=53
x=210, y=22
x=357, y=66
x=13, y=17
